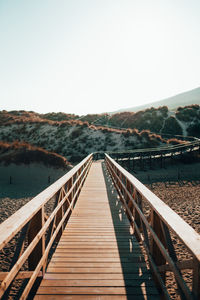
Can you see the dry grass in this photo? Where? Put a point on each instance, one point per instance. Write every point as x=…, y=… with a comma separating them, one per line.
x=22, y=152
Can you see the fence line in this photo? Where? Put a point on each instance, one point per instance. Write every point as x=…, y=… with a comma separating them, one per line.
x=153, y=227
x=38, y=230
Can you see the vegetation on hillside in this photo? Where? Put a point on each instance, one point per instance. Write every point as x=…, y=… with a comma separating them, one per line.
x=183, y=121
x=171, y=125
x=21, y=152
x=76, y=138
x=60, y=116
x=190, y=116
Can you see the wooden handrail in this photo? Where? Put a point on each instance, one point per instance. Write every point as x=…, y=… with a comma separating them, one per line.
x=14, y=223
x=156, y=235
x=65, y=191
x=169, y=148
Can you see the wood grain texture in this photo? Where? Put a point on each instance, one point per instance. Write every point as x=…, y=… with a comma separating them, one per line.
x=97, y=256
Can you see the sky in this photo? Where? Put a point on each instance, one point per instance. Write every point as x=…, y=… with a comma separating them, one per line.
x=94, y=56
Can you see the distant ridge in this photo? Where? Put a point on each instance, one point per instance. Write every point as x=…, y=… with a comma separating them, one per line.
x=183, y=99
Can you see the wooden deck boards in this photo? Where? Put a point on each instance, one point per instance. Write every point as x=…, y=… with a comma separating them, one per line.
x=97, y=256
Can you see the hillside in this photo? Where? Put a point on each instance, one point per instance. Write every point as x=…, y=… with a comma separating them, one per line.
x=183, y=121
x=73, y=139
x=23, y=153
x=183, y=99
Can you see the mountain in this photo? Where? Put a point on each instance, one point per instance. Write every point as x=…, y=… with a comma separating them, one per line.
x=183, y=99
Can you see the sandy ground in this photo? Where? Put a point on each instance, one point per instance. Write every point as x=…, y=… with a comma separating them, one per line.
x=179, y=187
x=24, y=181
x=184, y=200
x=181, y=194
x=183, y=197
x=171, y=172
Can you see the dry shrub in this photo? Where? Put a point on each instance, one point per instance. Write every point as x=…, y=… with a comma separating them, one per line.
x=175, y=141
x=22, y=152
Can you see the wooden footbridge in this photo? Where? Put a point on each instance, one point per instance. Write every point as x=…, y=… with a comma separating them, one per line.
x=147, y=158
x=98, y=233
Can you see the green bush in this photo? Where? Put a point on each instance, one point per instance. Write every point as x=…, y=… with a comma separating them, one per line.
x=172, y=127
x=194, y=130
x=188, y=113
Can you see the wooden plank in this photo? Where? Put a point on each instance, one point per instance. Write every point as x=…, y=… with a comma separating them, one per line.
x=97, y=276
x=96, y=247
x=96, y=282
x=65, y=243
x=111, y=259
x=95, y=270
x=101, y=265
x=93, y=239
x=124, y=251
x=97, y=255
x=97, y=290
x=93, y=255
x=92, y=297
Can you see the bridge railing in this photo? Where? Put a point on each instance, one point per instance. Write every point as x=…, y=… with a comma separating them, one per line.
x=187, y=146
x=160, y=230
x=35, y=227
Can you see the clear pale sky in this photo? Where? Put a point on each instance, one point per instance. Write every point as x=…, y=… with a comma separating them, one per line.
x=92, y=56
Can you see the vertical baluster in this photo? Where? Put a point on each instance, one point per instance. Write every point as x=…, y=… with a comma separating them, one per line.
x=196, y=278
x=79, y=180
x=36, y=224
x=59, y=215
x=155, y=251
x=121, y=180
x=136, y=214
x=133, y=163
x=69, y=185
x=129, y=201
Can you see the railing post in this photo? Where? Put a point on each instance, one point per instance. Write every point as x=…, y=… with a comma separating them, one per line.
x=141, y=162
x=161, y=160
x=69, y=185
x=59, y=214
x=150, y=161
x=196, y=279
x=129, y=163
x=155, y=251
x=36, y=224
x=129, y=202
x=79, y=181
x=137, y=199
x=133, y=163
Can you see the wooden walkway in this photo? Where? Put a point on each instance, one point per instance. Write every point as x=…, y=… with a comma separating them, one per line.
x=97, y=256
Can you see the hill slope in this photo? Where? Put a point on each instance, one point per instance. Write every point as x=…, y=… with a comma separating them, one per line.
x=72, y=139
x=183, y=99
x=24, y=153
x=183, y=121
